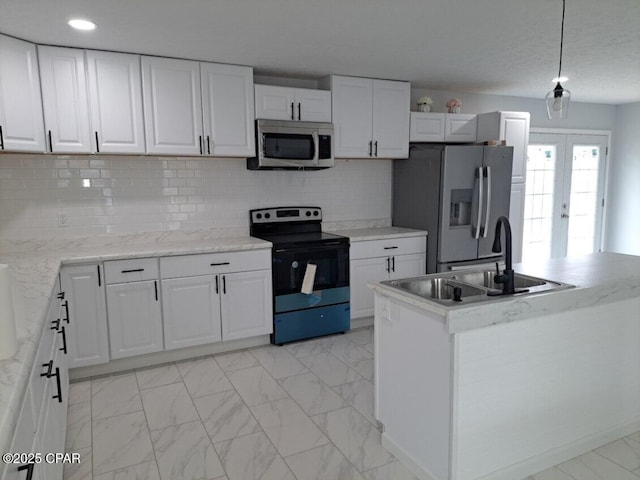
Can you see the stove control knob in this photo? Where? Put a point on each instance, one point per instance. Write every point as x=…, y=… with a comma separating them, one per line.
x=267, y=215
x=308, y=213
x=315, y=213
x=258, y=216
x=294, y=264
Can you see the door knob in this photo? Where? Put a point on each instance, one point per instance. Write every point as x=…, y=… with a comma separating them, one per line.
x=564, y=215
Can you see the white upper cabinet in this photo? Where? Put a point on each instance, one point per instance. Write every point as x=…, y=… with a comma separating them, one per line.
x=513, y=127
x=443, y=127
x=370, y=117
x=172, y=106
x=391, y=119
x=193, y=108
x=64, y=99
x=284, y=103
x=227, y=98
x=427, y=127
x=352, y=108
x=460, y=127
x=21, y=126
x=115, y=94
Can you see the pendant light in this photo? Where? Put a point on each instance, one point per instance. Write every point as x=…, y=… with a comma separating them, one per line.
x=558, y=98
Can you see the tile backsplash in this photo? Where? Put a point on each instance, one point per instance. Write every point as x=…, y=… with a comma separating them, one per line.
x=44, y=196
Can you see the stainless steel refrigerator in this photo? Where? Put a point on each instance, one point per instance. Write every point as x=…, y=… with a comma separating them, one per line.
x=456, y=193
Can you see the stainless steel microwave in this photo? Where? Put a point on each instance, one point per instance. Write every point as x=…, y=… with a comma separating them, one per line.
x=291, y=145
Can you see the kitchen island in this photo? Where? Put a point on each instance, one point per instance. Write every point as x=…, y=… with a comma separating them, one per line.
x=506, y=388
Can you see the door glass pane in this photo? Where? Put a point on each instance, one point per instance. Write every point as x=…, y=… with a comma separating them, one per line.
x=583, y=199
x=538, y=205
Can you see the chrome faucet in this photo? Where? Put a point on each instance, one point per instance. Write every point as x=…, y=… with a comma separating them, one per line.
x=506, y=278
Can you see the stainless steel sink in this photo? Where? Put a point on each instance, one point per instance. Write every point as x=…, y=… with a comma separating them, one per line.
x=438, y=288
x=485, y=279
x=475, y=286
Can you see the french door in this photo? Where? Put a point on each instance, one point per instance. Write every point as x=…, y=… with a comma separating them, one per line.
x=564, y=199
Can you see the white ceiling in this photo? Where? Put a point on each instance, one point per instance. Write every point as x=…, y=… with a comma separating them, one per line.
x=504, y=47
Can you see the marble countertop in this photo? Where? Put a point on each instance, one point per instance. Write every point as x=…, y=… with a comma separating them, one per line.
x=34, y=268
x=379, y=233
x=598, y=278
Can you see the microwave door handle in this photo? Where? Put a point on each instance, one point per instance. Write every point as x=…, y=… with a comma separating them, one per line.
x=488, y=210
x=316, y=147
x=480, y=197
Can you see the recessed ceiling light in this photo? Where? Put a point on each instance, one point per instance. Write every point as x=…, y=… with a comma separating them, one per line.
x=81, y=24
x=560, y=79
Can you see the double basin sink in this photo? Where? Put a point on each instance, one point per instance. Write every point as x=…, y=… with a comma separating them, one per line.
x=474, y=285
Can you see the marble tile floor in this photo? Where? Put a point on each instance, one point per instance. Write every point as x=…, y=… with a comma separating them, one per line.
x=301, y=412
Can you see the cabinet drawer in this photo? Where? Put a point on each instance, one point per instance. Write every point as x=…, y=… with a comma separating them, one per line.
x=384, y=248
x=212, y=263
x=131, y=270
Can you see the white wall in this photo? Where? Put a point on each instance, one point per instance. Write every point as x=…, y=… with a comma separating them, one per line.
x=101, y=194
x=623, y=217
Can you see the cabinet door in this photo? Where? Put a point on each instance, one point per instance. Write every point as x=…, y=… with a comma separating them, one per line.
x=352, y=109
x=227, y=99
x=313, y=105
x=64, y=98
x=275, y=103
x=246, y=304
x=427, y=127
x=87, y=340
x=514, y=128
x=191, y=309
x=407, y=266
x=460, y=127
x=115, y=95
x=21, y=124
x=391, y=119
x=363, y=271
x=516, y=219
x=172, y=106
x=135, y=319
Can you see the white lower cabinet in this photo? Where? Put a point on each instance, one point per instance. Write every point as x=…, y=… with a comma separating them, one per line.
x=246, y=304
x=191, y=311
x=379, y=260
x=42, y=423
x=216, y=297
x=135, y=318
x=88, y=341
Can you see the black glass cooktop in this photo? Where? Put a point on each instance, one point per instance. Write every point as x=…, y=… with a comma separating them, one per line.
x=280, y=240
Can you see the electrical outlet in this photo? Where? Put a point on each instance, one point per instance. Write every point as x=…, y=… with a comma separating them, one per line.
x=62, y=220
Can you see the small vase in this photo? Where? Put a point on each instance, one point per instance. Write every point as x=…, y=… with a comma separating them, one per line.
x=423, y=107
x=454, y=109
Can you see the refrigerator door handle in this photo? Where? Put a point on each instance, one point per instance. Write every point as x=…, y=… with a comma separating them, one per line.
x=480, y=197
x=488, y=210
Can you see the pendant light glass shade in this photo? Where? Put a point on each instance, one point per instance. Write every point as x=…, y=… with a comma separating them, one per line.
x=558, y=102
x=558, y=98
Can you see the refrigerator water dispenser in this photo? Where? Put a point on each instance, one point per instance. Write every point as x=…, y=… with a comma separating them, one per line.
x=460, y=211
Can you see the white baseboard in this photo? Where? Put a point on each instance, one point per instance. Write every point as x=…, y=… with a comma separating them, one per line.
x=407, y=460
x=361, y=322
x=123, y=364
x=532, y=465
x=553, y=457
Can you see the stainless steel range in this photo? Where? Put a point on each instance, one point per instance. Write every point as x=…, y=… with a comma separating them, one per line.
x=310, y=273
